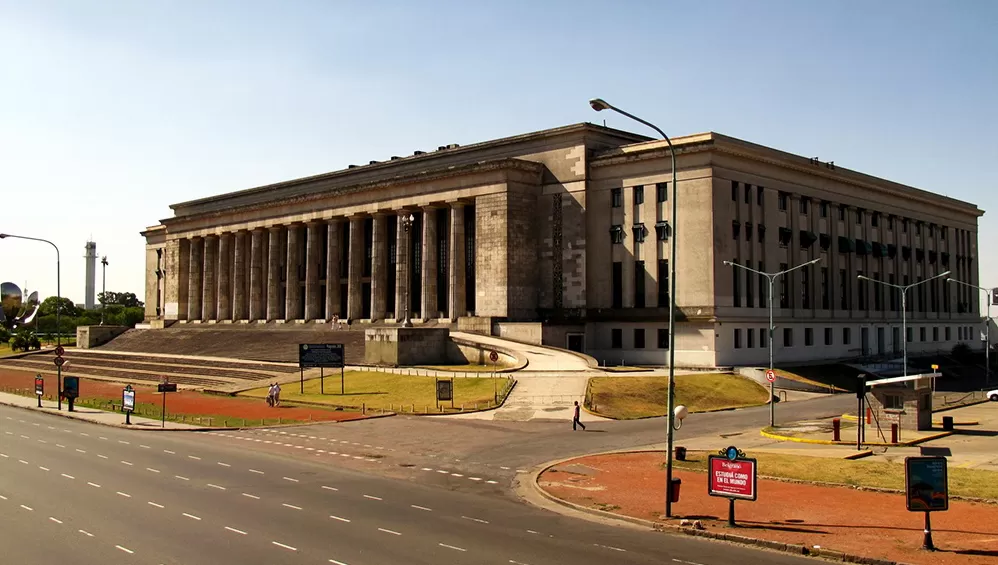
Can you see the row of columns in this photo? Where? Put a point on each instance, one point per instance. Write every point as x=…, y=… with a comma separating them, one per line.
x=237, y=275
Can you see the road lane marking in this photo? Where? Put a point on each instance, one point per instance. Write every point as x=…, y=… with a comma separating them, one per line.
x=125, y=549
x=492, y=482
x=279, y=544
x=192, y=516
x=44, y=468
x=181, y=478
x=290, y=479
x=86, y=533
x=257, y=472
x=154, y=504
x=393, y=532
x=60, y=445
x=338, y=518
x=417, y=507
x=329, y=488
x=291, y=506
x=170, y=452
x=4, y=455
x=57, y=521
x=254, y=497
x=22, y=461
x=125, y=494
x=504, y=468
x=42, y=441
x=224, y=464
x=102, y=437
x=452, y=547
x=517, y=562
x=480, y=521
x=532, y=532
x=150, y=469
x=335, y=562
x=371, y=497
x=123, y=441
x=102, y=456
x=609, y=547
x=216, y=486
x=28, y=508
x=25, y=437
x=475, y=478
x=235, y=530
x=126, y=463
x=144, y=446
x=456, y=475
x=95, y=485
x=78, y=450
x=441, y=471
x=194, y=457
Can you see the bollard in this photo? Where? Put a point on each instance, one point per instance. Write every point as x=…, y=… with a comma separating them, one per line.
x=894, y=433
x=869, y=415
x=948, y=423
x=836, y=429
x=363, y=408
x=413, y=408
x=676, y=487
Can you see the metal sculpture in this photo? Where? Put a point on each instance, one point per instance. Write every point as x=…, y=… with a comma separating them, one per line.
x=14, y=310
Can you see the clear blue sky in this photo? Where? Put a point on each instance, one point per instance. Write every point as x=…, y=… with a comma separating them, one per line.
x=112, y=110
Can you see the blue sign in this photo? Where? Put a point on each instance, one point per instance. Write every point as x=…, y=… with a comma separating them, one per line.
x=926, y=484
x=71, y=387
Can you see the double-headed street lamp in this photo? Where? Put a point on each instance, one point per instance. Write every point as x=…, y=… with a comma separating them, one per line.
x=103, y=288
x=599, y=105
x=987, y=327
x=904, y=309
x=58, y=306
x=772, y=328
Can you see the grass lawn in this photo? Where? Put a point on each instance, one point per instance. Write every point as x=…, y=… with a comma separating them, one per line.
x=6, y=351
x=861, y=472
x=627, y=398
x=390, y=392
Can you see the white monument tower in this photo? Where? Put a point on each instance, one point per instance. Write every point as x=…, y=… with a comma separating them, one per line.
x=91, y=257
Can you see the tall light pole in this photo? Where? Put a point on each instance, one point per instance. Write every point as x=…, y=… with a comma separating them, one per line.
x=406, y=222
x=904, y=309
x=599, y=105
x=103, y=288
x=987, y=328
x=58, y=306
x=772, y=328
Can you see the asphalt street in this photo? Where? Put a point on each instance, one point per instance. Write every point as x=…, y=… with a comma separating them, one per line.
x=74, y=492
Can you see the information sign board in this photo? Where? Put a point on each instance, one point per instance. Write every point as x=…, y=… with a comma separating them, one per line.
x=313, y=355
x=732, y=478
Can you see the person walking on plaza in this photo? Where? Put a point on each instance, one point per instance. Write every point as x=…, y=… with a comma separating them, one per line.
x=277, y=394
x=270, y=394
x=576, y=421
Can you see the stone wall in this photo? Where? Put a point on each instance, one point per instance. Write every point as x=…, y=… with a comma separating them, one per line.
x=916, y=413
x=406, y=346
x=94, y=336
x=525, y=332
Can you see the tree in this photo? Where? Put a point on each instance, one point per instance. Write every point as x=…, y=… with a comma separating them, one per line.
x=126, y=299
x=48, y=307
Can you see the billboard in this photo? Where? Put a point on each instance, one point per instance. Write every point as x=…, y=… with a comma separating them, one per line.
x=732, y=478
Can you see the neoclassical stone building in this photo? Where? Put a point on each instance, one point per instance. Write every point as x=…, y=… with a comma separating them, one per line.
x=561, y=237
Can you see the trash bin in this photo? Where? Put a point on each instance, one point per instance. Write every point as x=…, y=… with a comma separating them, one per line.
x=680, y=453
x=948, y=423
x=674, y=491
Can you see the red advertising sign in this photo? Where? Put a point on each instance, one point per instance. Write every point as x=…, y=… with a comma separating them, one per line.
x=731, y=479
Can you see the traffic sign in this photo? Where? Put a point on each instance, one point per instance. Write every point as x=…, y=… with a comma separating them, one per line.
x=39, y=385
x=493, y=356
x=59, y=350
x=166, y=387
x=58, y=361
x=771, y=375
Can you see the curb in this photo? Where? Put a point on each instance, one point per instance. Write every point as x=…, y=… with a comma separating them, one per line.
x=911, y=443
x=790, y=548
x=853, y=418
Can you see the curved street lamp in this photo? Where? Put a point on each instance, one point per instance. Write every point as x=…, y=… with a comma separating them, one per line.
x=989, y=293
x=599, y=105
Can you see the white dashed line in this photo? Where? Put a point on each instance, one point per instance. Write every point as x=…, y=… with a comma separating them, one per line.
x=290, y=479
x=151, y=470
x=216, y=486
x=475, y=478
x=335, y=562
x=22, y=461
x=253, y=496
x=102, y=456
x=95, y=485
x=255, y=471
x=441, y=471
x=421, y=508
x=86, y=533
x=24, y=436
x=372, y=497
x=480, y=521
x=504, y=468
x=338, y=518
x=393, y=532
x=181, y=478
x=42, y=441
x=125, y=494
x=44, y=468
x=60, y=445
x=192, y=516
x=194, y=457
x=125, y=549
x=78, y=450
x=240, y=532
x=144, y=446
x=329, y=488
x=28, y=508
x=68, y=476
x=456, y=475
x=532, y=532
x=126, y=463
x=102, y=437
x=517, y=562
x=224, y=464
x=156, y=505
x=278, y=544
x=4, y=455
x=452, y=547
x=609, y=547
x=57, y=521
x=286, y=505
x=170, y=452
x=492, y=482
x=124, y=442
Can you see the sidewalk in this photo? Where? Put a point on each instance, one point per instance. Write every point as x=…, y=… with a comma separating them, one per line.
x=90, y=414
x=863, y=523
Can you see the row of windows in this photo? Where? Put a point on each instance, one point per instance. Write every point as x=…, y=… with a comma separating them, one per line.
x=640, y=275
x=638, y=192
x=617, y=338
x=963, y=333
x=640, y=232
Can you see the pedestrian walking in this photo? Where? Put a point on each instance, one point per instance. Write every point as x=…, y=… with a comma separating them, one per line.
x=277, y=394
x=270, y=394
x=576, y=421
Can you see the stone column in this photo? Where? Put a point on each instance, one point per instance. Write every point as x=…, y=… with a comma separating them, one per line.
x=355, y=305
x=225, y=276
x=402, y=239
x=209, y=294
x=239, y=309
x=195, y=285
x=256, y=296
x=293, y=281
x=379, y=267
x=313, y=262
x=428, y=304
x=274, y=255
x=456, y=265
x=334, y=249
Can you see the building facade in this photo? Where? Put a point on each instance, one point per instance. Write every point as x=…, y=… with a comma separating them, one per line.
x=562, y=237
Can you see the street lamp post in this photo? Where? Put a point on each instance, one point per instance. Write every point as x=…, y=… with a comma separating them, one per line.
x=599, y=105
x=772, y=328
x=904, y=310
x=406, y=222
x=58, y=306
x=103, y=288
x=987, y=328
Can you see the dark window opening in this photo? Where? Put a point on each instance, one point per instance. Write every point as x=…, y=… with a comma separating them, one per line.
x=639, y=194
x=616, y=338
x=639, y=338
x=662, y=191
x=617, y=285
x=616, y=198
x=639, y=284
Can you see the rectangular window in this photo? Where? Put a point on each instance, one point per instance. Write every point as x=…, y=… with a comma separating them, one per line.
x=828, y=336
x=788, y=337
x=875, y=219
x=843, y=288
x=736, y=290
x=921, y=334
x=947, y=333
x=893, y=293
x=734, y=191
x=805, y=287
x=663, y=283
x=942, y=233
x=762, y=233
x=904, y=225
x=616, y=338
x=639, y=338
x=935, y=334
x=616, y=197
x=860, y=292
x=736, y=228
x=786, y=236
x=640, y=231
x=918, y=229
x=859, y=216
x=910, y=335
x=662, y=231
x=639, y=284
x=893, y=402
x=750, y=338
x=890, y=223
x=738, y=339
x=617, y=285
x=784, y=291
x=663, y=339
x=763, y=287
x=616, y=234
x=748, y=231
x=808, y=337
x=932, y=230
x=662, y=191
x=763, y=338
x=783, y=198
x=825, y=297
x=877, y=304
x=804, y=202
x=749, y=295
x=842, y=213
x=758, y=195
x=748, y=193
x=639, y=194
x=824, y=209
x=846, y=336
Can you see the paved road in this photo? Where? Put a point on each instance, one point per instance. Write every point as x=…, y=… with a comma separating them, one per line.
x=78, y=493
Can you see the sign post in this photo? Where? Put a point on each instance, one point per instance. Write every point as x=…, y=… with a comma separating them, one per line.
x=926, y=490
x=733, y=476
x=164, y=387
x=321, y=355
x=494, y=357
x=71, y=390
x=445, y=391
x=39, y=388
x=128, y=403
x=59, y=361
